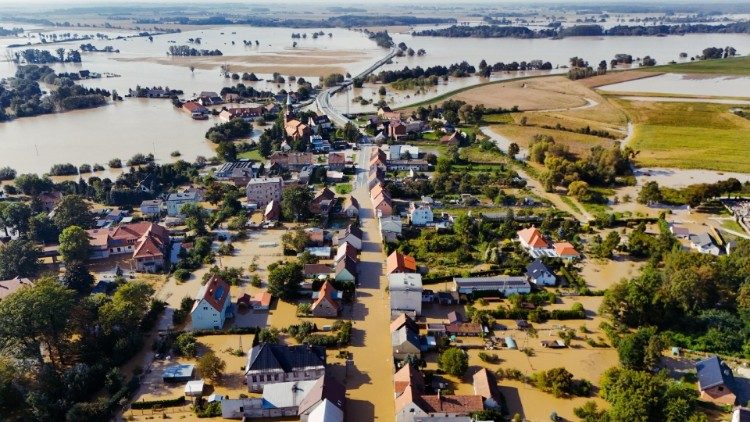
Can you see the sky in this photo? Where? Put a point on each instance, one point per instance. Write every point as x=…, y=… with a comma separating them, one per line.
x=59, y=3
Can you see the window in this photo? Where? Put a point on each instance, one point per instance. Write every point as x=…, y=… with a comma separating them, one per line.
x=721, y=388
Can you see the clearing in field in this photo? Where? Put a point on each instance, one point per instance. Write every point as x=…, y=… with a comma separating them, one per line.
x=551, y=93
x=689, y=135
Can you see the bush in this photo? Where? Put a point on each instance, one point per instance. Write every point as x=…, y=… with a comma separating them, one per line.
x=181, y=274
x=486, y=357
x=7, y=173
x=208, y=410
x=115, y=163
x=179, y=401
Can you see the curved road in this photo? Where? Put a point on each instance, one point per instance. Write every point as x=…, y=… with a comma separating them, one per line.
x=323, y=100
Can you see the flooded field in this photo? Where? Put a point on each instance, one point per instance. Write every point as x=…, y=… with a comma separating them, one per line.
x=678, y=84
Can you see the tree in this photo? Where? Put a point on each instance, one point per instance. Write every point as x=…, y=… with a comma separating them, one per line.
x=195, y=218
x=18, y=258
x=634, y=350
x=268, y=335
x=72, y=211
x=211, y=366
x=37, y=316
x=186, y=344
x=589, y=412
x=513, y=150
x=382, y=90
x=295, y=240
x=557, y=381
x=294, y=203
x=580, y=190
x=128, y=305
x=650, y=193
x=454, y=361
x=42, y=229
x=285, y=279
x=17, y=214
x=74, y=244
x=77, y=277
x=227, y=151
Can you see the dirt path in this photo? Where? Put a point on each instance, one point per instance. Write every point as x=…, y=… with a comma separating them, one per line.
x=370, y=383
x=589, y=104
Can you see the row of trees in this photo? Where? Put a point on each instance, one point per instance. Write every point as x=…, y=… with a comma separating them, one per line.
x=457, y=69
x=36, y=56
x=186, y=50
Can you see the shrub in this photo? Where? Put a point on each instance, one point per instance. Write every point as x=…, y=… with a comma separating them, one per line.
x=115, y=163
x=179, y=401
x=181, y=274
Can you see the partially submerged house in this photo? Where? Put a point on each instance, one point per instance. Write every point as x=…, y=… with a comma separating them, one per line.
x=405, y=290
x=212, y=305
x=327, y=302
x=272, y=363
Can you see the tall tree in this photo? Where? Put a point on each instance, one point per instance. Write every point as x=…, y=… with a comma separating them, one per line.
x=295, y=202
x=17, y=215
x=73, y=210
x=211, y=366
x=285, y=279
x=74, y=244
x=77, y=277
x=18, y=258
x=195, y=218
x=128, y=305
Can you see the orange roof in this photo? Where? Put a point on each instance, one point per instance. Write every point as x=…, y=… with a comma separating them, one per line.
x=533, y=237
x=375, y=191
x=398, y=262
x=452, y=404
x=407, y=376
x=565, y=249
x=263, y=298
x=326, y=295
x=215, y=292
x=402, y=320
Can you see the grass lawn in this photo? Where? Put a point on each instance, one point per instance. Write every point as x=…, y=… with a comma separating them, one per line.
x=730, y=66
x=343, y=188
x=475, y=154
x=578, y=143
x=571, y=204
x=732, y=225
x=253, y=154
x=689, y=135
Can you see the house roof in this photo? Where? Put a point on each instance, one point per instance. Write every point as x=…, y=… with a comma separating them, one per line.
x=383, y=199
x=375, y=191
x=346, y=249
x=402, y=320
x=346, y=264
x=565, y=249
x=149, y=239
x=351, y=202
x=273, y=210
x=325, y=388
x=533, y=237
x=313, y=269
x=326, y=411
x=193, y=107
x=263, y=298
x=485, y=385
x=498, y=282
x=454, y=317
x=405, y=282
x=284, y=395
x=741, y=414
x=701, y=239
x=452, y=404
x=355, y=230
x=405, y=335
x=324, y=194
x=464, y=328
x=398, y=262
x=407, y=376
x=215, y=292
x=713, y=372
x=336, y=158
x=537, y=268
x=325, y=295
x=8, y=287
x=266, y=356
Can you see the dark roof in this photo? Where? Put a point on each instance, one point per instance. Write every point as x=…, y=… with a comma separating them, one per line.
x=267, y=356
x=356, y=231
x=325, y=388
x=713, y=372
x=537, y=268
x=744, y=414
x=348, y=264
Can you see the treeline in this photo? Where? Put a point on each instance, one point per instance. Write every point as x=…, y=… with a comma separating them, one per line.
x=245, y=91
x=692, y=195
x=495, y=31
x=344, y=21
x=36, y=56
x=718, y=53
x=382, y=38
x=457, y=70
x=88, y=47
x=229, y=131
x=23, y=94
x=10, y=32
x=187, y=51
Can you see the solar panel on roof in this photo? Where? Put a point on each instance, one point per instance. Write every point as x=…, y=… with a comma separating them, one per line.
x=219, y=292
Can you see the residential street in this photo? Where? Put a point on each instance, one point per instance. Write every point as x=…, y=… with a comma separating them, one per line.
x=370, y=385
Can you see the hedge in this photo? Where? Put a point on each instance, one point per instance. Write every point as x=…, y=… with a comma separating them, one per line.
x=158, y=403
x=233, y=330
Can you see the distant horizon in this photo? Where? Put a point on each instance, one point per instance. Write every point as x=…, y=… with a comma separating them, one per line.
x=340, y=3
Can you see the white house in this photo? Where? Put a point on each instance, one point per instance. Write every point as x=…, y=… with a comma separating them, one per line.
x=539, y=274
x=703, y=244
x=212, y=305
x=151, y=207
x=405, y=290
x=420, y=214
x=175, y=201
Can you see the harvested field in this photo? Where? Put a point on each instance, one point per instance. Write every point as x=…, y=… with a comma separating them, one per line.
x=578, y=143
x=555, y=92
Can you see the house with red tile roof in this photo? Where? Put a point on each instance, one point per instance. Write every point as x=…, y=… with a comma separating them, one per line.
x=327, y=302
x=400, y=263
x=212, y=306
x=383, y=205
x=193, y=108
x=566, y=250
x=147, y=242
x=297, y=130
x=336, y=161
x=322, y=198
x=531, y=238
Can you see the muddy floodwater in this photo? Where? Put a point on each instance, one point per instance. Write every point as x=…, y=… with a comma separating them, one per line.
x=687, y=84
x=154, y=126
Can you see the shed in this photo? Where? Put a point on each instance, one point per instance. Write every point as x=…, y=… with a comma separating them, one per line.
x=178, y=373
x=194, y=388
x=510, y=343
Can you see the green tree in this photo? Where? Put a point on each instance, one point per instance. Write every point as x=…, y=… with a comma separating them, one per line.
x=454, y=361
x=36, y=316
x=186, y=344
x=636, y=350
x=268, y=335
x=557, y=381
x=295, y=240
x=17, y=215
x=285, y=279
x=580, y=190
x=195, y=218
x=32, y=184
x=294, y=203
x=73, y=210
x=650, y=193
x=211, y=366
x=513, y=150
x=128, y=305
x=227, y=151
x=18, y=258
x=382, y=90
x=74, y=244
x=42, y=229
x=77, y=277
x=589, y=412
x=265, y=145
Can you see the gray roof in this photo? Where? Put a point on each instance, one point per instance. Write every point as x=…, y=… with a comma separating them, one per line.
x=405, y=282
x=265, y=357
x=325, y=388
x=713, y=372
x=404, y=335
x=537, y=268
x=282, y=395
x=497, y=282
x=701, y=239
x=183, y=196
x=177, y=372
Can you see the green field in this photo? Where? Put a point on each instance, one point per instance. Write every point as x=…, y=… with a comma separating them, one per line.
x=730, y=66
x=689, y=135
x=253, y=154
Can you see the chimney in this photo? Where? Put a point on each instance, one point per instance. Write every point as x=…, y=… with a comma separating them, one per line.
x=440, y=394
